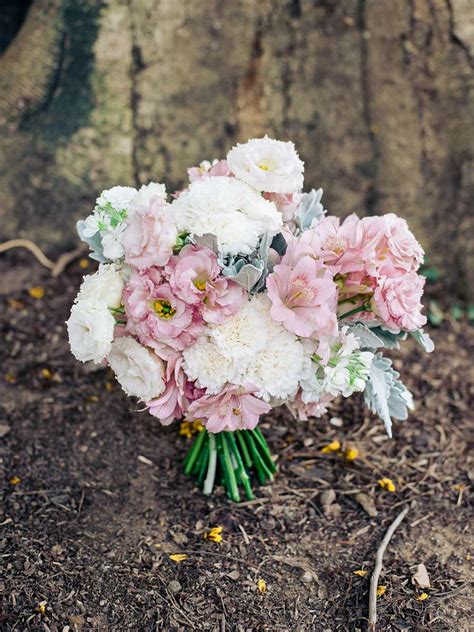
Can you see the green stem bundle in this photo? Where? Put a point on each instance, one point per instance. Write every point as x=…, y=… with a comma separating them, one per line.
x=230, y=457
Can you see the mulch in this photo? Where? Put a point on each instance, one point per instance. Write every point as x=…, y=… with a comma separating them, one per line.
x=95, y=501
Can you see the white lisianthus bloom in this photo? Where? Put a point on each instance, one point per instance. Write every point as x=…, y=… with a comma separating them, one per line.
x=147, y=193
x=139, y=371
x=267, y=165
x=91, y=330
x=121, y=198
x=229, y=209
x=105, y=286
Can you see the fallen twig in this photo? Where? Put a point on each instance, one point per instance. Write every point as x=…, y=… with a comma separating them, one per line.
x=55, y=267
x=374, y=580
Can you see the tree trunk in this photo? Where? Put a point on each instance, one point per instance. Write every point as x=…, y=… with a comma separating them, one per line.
x=376, y=95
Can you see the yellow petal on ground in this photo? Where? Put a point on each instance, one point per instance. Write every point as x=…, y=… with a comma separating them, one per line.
x=361, y=572
x=178, y=557
x=334, y=446
x=387, y=484
x=351, y=453
x=381, y=590
x=214, y=534
x=10, y=378
x=14, y=480
x=15, y=304
x=46, y=373
x=41, y=607
x=423, y=597
x=36, y=292
x=83, y=264
x=262, y=586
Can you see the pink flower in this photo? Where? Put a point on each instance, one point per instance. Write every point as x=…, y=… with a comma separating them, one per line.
x=178, y=393
x=303, y=298
x=302, y=411
x=150, y=235
x=397, y=301
x=286, y=203
x=194, y=278
x=400, y=249
x=234, y=408
x=206, y=170
x=155, y=315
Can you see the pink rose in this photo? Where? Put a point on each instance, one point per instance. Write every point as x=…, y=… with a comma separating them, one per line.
x=234, y=408
x=304, y=298
x=400, y=249
x=194, y=276
x=154, y=314
x=397, y=301
x=150, y=235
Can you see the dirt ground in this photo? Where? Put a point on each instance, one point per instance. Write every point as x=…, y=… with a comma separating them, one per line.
x=95, y=501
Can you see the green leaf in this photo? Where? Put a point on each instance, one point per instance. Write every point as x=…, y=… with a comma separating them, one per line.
x=375, y=337
x=385, y=395
x=456, y=312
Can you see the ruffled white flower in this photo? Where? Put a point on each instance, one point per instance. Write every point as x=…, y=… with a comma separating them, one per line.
x=112, y=242
x=120, y=198
x=346, y=371
x=229, y=209
x=148, y=193
x=208, y=366
x=267, y=165
x=105, y=286
x=91, y=330
x=242, y=337
x=250, y=348
x=139, y=371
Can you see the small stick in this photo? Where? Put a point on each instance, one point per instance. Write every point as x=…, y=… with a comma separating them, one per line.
x=55, y=267
x=374, y=580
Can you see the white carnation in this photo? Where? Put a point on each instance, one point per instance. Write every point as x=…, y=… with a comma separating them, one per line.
x=120, y=197
x=251, y=347
x=139, y=371
x=105, y=286
x=267, y=165
x=91, y=330
x=229, y=209
x=205, y=363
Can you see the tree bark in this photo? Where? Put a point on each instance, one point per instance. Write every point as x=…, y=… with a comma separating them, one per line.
x=376, y=95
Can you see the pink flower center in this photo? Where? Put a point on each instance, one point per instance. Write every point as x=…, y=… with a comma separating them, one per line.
x=300, y=294
x=336, y=244
x=200, y=284
x=163, y=309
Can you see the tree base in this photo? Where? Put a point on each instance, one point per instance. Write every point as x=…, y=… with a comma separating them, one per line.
x=230, y=458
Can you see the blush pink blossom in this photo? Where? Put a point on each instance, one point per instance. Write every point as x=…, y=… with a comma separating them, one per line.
x=194, y=276
x=155, y=315
x=397, y=301
x=178, y=394
x=287, y=204
x=234, y=408
x=304, y=298
x=302, y=411
x=399, y=248
x=218, y=168
x=150, y=235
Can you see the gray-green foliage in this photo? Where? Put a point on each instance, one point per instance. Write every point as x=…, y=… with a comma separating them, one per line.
x=385, y=394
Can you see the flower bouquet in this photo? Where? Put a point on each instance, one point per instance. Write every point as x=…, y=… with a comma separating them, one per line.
x=240, y=294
